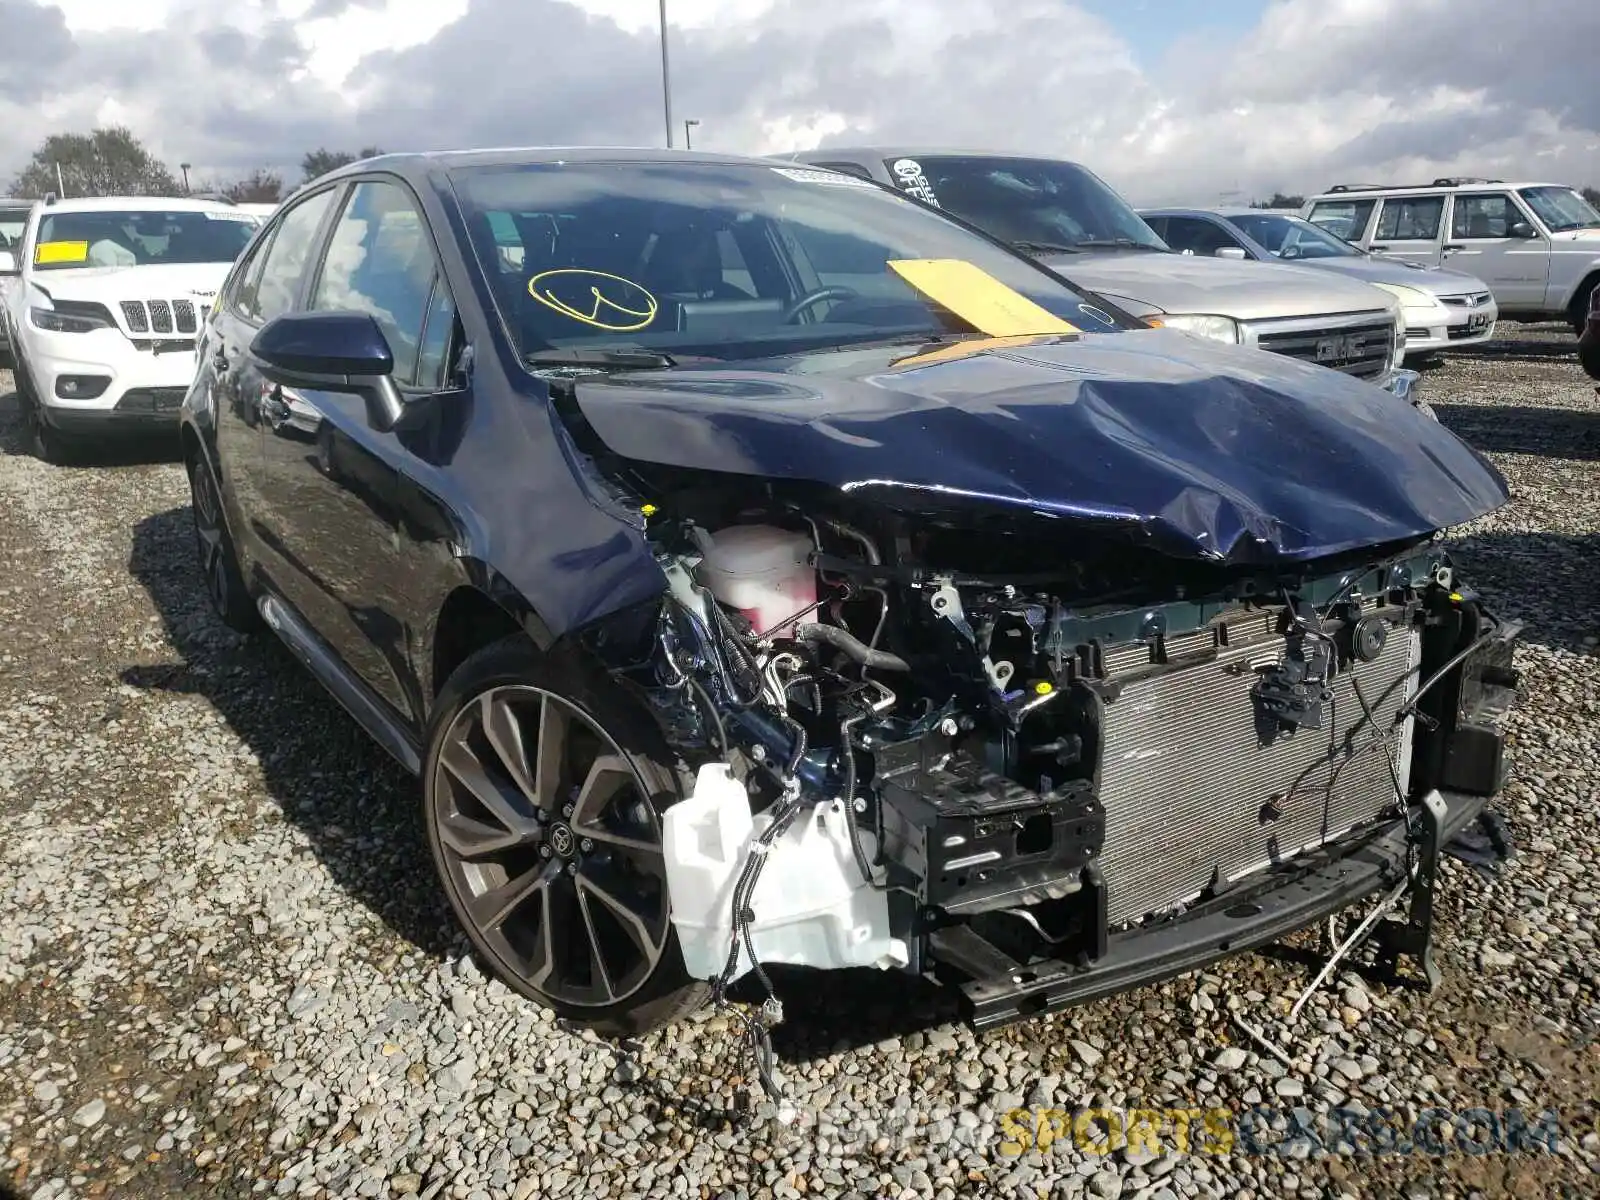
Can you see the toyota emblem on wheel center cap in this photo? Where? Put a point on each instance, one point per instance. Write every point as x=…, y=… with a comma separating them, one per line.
x=561, y=840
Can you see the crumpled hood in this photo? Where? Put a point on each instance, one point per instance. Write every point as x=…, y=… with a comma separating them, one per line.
x=1246, y=291
x=107, y=285
x=1206, y=451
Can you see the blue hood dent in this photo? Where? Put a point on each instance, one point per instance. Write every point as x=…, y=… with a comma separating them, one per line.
x=1207, y=451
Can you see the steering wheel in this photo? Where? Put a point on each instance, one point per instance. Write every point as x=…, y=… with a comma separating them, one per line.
x=832, y=292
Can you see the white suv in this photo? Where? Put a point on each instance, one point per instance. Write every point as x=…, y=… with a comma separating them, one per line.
x=104, y=301
x=1537, y=245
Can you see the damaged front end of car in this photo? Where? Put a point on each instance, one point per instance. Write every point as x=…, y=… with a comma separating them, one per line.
x=1034, y=749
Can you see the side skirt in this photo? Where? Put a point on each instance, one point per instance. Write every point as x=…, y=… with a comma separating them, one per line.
x=358, y=700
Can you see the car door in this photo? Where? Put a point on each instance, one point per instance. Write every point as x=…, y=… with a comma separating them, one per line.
x=1410, y=227
x=263, y=288
x=1483, y=226
x=333, y=478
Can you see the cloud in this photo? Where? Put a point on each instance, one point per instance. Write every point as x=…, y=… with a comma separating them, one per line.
x=1319, y=90
x=35, y=46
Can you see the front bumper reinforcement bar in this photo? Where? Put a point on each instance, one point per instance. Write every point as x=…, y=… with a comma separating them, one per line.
x=1001, y=990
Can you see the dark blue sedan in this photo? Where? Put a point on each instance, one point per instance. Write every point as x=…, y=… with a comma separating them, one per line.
x=758, y=566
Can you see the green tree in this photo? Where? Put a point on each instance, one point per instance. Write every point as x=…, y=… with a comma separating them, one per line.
x=104, y=162
x=1592, y=195
x=320, y=161
x=261, y=186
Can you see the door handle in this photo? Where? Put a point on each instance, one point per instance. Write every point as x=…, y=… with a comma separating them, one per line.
x=1453, y=246
x=1377, y=247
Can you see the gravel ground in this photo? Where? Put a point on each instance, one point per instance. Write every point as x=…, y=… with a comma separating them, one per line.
x=225, y=971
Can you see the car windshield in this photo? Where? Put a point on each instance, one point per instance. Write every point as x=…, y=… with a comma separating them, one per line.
x=1036, y=203
x=140, y=238
x=733, y=261
x=1561, y=208
x=1291, y=237
x=12, y=223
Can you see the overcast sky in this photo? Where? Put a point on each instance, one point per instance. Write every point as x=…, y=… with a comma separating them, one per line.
x=1170, y=100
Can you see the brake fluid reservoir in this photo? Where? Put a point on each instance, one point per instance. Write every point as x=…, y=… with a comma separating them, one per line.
x=760, y=571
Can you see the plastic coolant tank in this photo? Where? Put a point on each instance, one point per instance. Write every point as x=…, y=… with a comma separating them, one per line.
x=761, y=571
x=812, y=908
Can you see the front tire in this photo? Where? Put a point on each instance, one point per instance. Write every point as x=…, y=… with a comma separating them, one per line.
x=1579, y=314
x=543, y=789
x=43, y=440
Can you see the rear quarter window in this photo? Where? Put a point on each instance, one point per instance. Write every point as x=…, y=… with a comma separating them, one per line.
x=1345, y=219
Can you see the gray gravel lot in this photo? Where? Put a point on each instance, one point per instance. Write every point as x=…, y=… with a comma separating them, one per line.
x=225, y=971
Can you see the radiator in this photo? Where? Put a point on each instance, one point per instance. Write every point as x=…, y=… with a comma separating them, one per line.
x=1189, y=787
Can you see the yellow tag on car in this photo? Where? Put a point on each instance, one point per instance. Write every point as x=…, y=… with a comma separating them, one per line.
x=978, y=298
x=968, y=348
x=46, y=253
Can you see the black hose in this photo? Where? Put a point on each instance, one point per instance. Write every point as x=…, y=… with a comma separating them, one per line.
x=711, y=707
x=851, y=646
x=850, y=804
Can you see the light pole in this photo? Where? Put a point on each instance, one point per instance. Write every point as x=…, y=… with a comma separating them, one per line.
x=185, y=168
x=687, y=125
x=666, y=75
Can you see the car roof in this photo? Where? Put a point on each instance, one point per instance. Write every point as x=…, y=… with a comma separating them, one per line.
x=512, y=156
x=1229, y=211
x=86, y=204
x=894, y=150
x=1359, y=192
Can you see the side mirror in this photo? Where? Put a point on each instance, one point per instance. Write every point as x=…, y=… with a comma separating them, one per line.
x=333, y=352
x=1522, y=230
x=8, y=264
x=1234, y=252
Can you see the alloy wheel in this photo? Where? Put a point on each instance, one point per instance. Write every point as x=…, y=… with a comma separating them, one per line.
x=210, y=536
x=552, y=846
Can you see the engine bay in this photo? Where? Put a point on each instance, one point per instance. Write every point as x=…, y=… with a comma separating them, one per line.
x=967, y=772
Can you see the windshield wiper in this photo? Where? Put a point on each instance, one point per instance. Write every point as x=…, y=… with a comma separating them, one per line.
x=1119, y=244
x=1029, y=247
x=615, y=359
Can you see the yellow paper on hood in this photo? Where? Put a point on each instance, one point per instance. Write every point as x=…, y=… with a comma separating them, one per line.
x=978, y=298
x=60, y=252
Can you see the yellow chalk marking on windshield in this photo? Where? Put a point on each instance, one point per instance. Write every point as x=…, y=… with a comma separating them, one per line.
x=978, y=298
x=46, y=253
x=628, y=306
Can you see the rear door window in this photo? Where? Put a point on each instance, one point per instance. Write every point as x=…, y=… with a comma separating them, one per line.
x=1410, y=219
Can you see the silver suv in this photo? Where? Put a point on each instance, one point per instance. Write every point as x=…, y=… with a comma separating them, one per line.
x=1077, y=225
x=1537, y=245
x=1444, y=309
